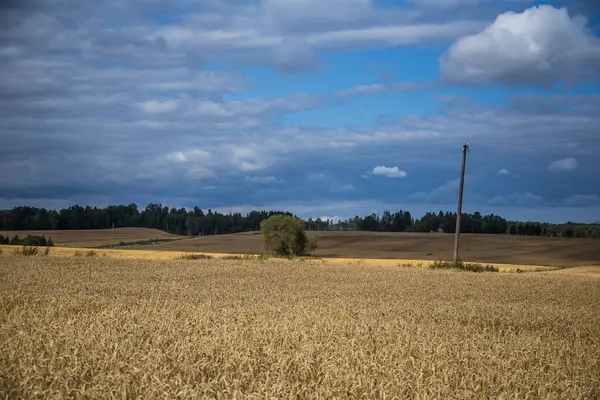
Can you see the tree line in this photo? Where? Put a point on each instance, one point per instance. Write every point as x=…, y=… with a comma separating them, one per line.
x=196, y=222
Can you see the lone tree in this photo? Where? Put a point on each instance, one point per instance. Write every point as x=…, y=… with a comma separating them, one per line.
x=284, y=236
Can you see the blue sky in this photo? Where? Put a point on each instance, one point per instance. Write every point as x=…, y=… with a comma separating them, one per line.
x=326, y=108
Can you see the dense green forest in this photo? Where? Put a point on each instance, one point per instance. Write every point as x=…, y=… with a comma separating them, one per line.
x=195, y=221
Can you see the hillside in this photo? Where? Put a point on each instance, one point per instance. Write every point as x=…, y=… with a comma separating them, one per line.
x=97, y=237
x=427, y=246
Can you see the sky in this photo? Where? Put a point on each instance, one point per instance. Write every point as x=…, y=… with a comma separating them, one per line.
x=327, y=108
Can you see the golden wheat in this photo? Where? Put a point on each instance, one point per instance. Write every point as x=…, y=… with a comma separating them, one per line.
x=96, y=327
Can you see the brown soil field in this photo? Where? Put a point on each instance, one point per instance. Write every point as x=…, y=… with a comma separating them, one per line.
x=92, y=328
x=96, y=237
x=502, y=249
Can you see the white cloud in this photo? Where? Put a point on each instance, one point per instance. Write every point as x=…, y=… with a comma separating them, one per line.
x=177, y=156
x=504, y=171
x=541, y=46
x=391, y=35
x=361, y=89
x=262, y=179
x=153, y=107
x=381, y=88
x=316, y=177
x=566, y=164
x=290, y=47
x=189, y=155
x=344, y=189
x=389, y=172
x=293, y=55
x=250, y=158
x=445, y=3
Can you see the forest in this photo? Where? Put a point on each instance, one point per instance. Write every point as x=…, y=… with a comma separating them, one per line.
x=195, y=222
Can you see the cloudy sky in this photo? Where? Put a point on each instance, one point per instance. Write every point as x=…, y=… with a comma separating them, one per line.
x=320, y=107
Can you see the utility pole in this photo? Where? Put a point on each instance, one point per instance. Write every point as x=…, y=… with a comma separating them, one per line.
x=460, y=196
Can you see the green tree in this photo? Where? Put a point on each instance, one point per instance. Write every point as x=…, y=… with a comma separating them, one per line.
x=284, y=235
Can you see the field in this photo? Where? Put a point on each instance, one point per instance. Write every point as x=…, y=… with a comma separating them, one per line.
x=97, y=327
x=97, y=237
x=498, y=249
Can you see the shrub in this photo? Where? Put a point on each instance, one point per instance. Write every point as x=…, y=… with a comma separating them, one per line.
x=471, y=267
x=27, y=251
x=240, y=257
x=284, y=236
x=47, y=251
x=196, y=256
x=29, y=240
x=409, y=264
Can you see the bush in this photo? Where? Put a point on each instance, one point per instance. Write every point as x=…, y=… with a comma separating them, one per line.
x=239, y=257
x=284, y=236
x=471, y=267
x=27, y=251
x=194, y=256
x=29, y=240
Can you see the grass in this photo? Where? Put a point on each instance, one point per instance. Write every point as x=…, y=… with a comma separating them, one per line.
x=463, y=266
x=162, y=255
x=26, y=250
x=196, y=256
x=100, y=328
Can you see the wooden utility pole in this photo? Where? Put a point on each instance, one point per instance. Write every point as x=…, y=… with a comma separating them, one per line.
x=460, y=196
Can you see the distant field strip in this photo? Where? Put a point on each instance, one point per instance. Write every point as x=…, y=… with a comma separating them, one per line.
x=165, y=255
x=485, y=249
x=98, y=237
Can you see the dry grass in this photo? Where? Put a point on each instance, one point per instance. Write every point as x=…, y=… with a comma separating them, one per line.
x=590, y=270
x=170, y=255
x=105, y=328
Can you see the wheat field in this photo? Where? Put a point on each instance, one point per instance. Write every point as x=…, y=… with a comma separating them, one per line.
x=90, y=328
